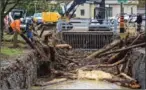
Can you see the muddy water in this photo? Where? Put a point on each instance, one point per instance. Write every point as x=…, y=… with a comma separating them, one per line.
x=83, y=84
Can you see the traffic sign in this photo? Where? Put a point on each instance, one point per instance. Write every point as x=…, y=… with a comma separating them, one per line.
x=122, y=1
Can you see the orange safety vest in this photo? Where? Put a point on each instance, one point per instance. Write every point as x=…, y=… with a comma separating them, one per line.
x=15, y=25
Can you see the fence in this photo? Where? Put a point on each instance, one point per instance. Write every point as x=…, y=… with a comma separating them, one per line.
x=88, y=39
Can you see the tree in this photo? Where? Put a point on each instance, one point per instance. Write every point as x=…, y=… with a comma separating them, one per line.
x=5, y=7
x=142, y=3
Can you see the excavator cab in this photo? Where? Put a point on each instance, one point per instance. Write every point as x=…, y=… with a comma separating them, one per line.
x=99, y=14
x=100, y=21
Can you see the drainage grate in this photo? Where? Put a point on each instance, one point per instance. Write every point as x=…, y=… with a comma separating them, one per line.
x=88, y=40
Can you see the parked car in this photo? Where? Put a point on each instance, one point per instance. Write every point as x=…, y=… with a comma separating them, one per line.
x=132, y=18
x=37, y=17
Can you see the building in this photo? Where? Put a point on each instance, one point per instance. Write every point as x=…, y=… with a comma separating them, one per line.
x=141, y=10
x=86, y=10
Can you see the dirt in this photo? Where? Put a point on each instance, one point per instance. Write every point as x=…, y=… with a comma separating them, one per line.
x=22, y=48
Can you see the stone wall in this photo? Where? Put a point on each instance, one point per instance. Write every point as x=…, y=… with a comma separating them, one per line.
x=20, y=73
x=138, y=71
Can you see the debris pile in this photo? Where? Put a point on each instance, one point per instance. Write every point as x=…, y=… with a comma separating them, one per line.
x=65, y=62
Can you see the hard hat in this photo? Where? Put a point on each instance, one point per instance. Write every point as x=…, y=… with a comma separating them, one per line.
x=21, y=19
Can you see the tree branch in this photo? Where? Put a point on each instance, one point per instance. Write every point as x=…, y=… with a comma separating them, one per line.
x=124, y=49
x=5, y=5
x=12, y=7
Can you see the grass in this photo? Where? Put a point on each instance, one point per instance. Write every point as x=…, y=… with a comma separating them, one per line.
x=9, y=37
x=11, y=51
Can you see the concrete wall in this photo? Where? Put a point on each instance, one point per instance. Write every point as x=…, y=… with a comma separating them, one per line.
x=20, y=73
x=138, y=71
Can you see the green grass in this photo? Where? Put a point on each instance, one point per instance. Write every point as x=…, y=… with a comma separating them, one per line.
x=9, y=37
x=11, y=51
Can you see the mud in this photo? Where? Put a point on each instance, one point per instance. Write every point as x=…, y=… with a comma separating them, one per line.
x=22, y=72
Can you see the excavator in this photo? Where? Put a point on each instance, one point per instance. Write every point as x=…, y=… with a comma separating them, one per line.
x=69, y=11
x=71, y=8
x=96, y=36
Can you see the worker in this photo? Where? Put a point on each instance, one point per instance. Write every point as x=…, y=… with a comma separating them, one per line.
x=29, y=28
x=59, y=25
x=15, y=25
x=139, y=22
x=59, y=28
x=115, y=25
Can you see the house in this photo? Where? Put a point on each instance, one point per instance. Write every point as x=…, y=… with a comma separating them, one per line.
x=86, y=10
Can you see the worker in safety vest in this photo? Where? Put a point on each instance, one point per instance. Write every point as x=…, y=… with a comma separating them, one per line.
x=15, y=25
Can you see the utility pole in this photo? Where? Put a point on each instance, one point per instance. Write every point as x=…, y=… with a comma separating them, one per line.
x=121, y=18
x=122, y=28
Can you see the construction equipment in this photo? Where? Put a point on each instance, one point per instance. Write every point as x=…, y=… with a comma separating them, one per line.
x=50, y=17
x=96, y=38
x=53, y=14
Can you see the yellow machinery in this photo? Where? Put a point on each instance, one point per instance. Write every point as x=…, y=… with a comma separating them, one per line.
x=50, y=17
x=53, y=13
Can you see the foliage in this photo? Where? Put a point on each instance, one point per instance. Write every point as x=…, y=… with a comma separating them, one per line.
x=142, y=3
x=10, y=51
x=5, y=7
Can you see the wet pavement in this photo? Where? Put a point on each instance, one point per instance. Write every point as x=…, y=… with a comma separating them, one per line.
x=84, y=84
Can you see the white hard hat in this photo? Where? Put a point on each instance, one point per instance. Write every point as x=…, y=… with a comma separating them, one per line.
x=21, y=19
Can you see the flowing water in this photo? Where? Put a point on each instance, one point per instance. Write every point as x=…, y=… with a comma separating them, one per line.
x=83, y=84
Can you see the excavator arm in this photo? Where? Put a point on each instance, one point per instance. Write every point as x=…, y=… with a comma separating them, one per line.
x=72, y=8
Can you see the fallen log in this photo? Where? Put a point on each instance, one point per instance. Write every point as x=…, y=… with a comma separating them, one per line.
x=124, y=49
x=135, y=39
x=116, y=63
x=131, y=40
x=27, y=41
x=112, y=65
x=93, y=74
x=62, y=46
x=46, y=38
x=33, y=46
x=116, y=57
x=54, y=81
x=121, y=54
x=123, y=82
x=42, y=31
x=127, y=77
x=68, y=59
x=107, y=48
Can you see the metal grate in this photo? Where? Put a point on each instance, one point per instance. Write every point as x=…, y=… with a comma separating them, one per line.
x=88, y=40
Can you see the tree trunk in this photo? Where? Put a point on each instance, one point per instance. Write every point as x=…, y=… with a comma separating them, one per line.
x=15, y=39
x=2, y=26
